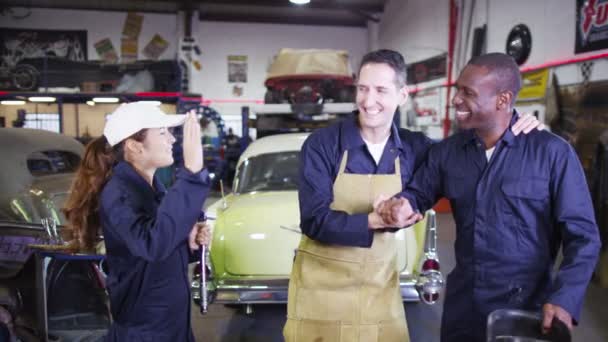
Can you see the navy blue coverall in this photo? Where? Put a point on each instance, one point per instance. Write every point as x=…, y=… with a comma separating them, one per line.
x=319, y=164
x=146, y=231
x=512, y=215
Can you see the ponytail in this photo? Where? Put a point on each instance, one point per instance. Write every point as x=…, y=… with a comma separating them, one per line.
x=82, y=206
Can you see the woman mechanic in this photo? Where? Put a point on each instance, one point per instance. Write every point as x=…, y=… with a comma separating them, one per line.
x=149, y=231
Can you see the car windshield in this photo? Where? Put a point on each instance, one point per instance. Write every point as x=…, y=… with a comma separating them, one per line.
x=32, y=206
x=269, y=172
x=40, y=191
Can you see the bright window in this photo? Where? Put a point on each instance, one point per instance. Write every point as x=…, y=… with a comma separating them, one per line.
x=48, y=122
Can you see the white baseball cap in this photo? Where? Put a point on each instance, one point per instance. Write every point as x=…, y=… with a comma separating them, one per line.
x=130, y=118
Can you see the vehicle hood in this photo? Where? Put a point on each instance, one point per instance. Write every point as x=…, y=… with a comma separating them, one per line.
x=257, y=233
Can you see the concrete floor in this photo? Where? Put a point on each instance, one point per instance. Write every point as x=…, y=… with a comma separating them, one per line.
x=230, y=324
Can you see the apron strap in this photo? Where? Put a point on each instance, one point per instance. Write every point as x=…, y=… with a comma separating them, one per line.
x=343, y=162
x=397, y=167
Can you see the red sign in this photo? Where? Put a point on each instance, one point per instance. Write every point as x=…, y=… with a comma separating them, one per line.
x=592, y=25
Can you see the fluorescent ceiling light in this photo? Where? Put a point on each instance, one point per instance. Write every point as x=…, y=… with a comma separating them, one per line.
x=12, y=102
x=90, y=103
x=105, y=99
x=155, y=103
x=41, y=99
x=299, y=2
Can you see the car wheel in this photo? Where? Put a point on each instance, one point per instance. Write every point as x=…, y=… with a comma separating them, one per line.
x=25, y=77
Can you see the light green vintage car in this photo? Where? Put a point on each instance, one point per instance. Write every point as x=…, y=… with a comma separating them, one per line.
x=256, y=230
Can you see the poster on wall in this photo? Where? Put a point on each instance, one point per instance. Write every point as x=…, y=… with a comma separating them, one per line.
x=427, y=70
x=155, y=47
x=18, y=44
x=534, y=85
x=237, y=69
x=128, y=50
x=105, y=50
x=591, y=25
x=132, y=25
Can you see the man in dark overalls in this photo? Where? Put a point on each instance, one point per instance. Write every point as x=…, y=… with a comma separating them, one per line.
x=516, y=201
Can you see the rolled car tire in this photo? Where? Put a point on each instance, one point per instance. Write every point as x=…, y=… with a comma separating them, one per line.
x=25, y=77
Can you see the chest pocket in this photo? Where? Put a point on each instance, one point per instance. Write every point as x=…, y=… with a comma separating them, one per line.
x=525, y=197
x=529, y=189
x=525, y=203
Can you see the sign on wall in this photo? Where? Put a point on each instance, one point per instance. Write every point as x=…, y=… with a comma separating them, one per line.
x=591, y=25
x=17, y=44
x=128, y=49
x=105, y=50
x=132, y=26
x=534, y=85
x=427, y=70
x=237, y=69
x=156, y=47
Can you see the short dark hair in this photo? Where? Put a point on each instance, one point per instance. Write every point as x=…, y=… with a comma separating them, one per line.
x=504, y=68
x=391, y=58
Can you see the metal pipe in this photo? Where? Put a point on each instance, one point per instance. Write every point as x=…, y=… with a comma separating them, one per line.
x=203, y=286
x=431, y=235
x=203, y=264
x=453, y=23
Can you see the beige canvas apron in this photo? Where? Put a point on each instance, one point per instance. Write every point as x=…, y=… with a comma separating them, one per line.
x=348, y=294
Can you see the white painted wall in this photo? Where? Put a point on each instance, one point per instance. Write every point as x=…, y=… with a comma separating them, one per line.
x=260, y=42
x=100, y=25
x=553, y=28
x=416, y=28
x=419, y=29
x=552, y=24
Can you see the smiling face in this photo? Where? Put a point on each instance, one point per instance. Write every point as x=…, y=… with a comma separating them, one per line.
x=477, y=101
x=158, y=147
x=378, y=96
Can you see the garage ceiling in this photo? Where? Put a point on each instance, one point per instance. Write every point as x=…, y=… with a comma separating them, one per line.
x=317, y=12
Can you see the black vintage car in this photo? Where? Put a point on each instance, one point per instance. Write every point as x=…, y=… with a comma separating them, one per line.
x=43, y=295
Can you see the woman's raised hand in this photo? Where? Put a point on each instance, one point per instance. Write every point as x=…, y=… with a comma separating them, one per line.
x=193, y=147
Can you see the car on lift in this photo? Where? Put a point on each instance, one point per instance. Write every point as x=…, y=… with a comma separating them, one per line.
x=310, y=76
x=41, y=297
x=256, y=232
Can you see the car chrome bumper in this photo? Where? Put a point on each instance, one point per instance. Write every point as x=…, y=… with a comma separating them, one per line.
x=274, y=291
x=408, y=289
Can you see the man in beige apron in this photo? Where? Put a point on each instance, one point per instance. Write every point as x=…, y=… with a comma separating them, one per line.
x=341, y=292
x=348, y=293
